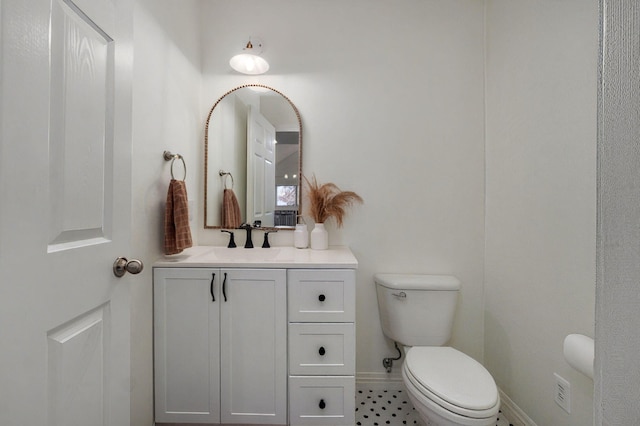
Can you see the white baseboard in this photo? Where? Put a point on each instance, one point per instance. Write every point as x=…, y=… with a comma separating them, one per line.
x=390, y=381
x=511, y=411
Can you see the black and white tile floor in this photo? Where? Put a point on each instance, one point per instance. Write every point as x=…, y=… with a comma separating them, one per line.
x=390, y=407
x=384, y=407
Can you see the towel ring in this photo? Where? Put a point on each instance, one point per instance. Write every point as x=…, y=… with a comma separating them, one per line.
x=168, y=156
x=223, y=173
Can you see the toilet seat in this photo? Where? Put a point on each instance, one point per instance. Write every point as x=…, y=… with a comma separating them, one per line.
x=452, y=380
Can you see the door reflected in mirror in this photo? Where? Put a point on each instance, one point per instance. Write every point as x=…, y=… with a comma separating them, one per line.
x=253, y=145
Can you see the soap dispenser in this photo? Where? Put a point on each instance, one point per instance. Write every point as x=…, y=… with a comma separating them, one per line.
x=301, y=235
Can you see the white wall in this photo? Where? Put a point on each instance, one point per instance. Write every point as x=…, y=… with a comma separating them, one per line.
x=392, y=103
x=540, y=201
x=166, y=116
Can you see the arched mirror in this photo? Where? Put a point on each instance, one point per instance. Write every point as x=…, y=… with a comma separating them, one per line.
x=253, y=146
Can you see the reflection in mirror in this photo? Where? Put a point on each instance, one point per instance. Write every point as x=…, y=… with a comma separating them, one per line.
x=253, y=145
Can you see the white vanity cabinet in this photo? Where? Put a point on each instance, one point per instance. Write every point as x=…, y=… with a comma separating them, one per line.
x=220, y=339
x=262, y=337
x=322, y=346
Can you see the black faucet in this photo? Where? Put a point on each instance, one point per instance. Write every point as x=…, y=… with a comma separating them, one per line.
x=232, y=242
x=248, y=243
x=265, y=243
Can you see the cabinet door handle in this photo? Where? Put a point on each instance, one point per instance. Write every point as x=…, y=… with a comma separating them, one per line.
x=321, y=298
x=213, y=277
x=322, y=405
x=224, y=287
x=321, y=351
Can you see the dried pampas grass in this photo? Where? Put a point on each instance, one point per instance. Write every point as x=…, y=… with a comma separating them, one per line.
x=327, y=200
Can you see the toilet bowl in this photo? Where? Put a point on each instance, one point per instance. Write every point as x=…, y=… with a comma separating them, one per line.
x=446, y=386
x=449, y=388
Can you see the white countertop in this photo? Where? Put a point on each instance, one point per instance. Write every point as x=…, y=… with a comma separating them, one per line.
x=336, y=257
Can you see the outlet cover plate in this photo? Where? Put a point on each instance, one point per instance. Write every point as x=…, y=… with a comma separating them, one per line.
x=562, y=393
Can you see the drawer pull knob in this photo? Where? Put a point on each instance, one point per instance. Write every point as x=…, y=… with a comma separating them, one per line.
x=322, y=404
x=321, y=351
x=321, y=297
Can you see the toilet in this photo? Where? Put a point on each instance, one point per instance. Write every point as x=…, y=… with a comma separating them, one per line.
x=446, y=386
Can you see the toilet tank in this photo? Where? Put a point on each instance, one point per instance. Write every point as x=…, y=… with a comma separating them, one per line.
x=417, y=310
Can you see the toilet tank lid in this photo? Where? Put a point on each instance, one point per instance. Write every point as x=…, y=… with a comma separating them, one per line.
x=418, y=282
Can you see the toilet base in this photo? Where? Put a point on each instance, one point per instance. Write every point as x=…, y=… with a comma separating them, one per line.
x=430, y=418
x=433, y=415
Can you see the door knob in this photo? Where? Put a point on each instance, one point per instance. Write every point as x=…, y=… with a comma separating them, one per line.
x=122, y=266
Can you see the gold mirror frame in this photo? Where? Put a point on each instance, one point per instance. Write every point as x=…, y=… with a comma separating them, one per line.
x=206, y=151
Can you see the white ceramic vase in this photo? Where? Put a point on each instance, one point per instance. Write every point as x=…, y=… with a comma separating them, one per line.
x=319, y=237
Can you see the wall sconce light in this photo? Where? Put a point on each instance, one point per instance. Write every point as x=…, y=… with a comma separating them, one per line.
x=249, y=60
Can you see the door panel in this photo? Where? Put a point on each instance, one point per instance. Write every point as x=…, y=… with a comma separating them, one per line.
x=81, y=128
x=77, y=358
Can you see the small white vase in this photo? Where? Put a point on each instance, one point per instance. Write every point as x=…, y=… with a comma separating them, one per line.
x=319, y=237
x=301, y=236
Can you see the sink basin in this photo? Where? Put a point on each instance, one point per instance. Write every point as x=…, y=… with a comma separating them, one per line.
x=246, y=254
x=242, y=255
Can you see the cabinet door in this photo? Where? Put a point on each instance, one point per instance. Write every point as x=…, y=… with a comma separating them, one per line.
x=253, y=324
x=186, y=345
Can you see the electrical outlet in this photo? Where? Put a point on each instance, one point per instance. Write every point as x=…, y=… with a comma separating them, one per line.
x=562, y=393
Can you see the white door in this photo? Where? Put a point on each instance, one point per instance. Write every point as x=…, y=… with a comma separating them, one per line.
x=65, y=201
x=261, y=169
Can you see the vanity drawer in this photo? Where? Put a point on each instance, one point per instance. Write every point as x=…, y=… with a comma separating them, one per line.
x=322, y=348
x=324, y=400
x=321, y=295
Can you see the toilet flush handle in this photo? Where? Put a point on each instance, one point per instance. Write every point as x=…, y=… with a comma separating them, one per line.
x=402, y=294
